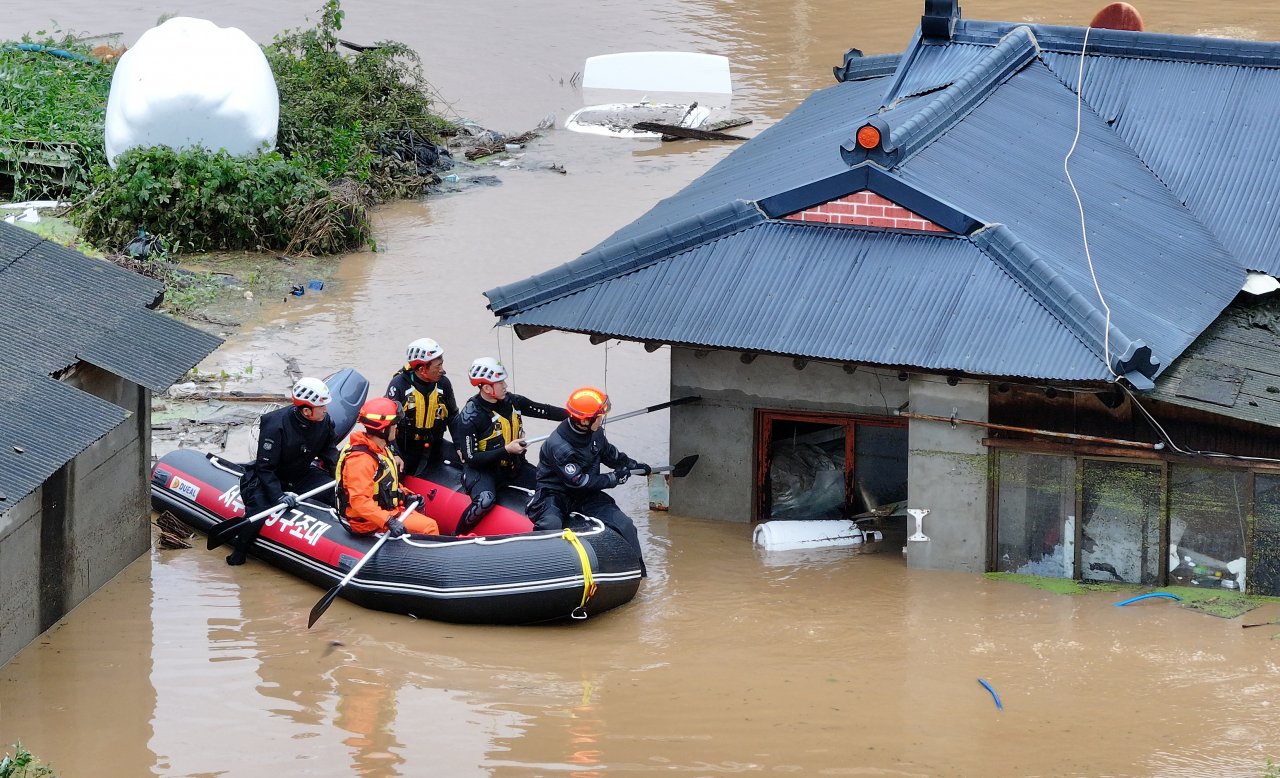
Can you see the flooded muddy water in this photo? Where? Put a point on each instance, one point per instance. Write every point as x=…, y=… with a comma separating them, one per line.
x=729, y=660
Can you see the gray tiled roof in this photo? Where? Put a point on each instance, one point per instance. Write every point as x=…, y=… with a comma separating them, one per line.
x=1175, y=167
x=57, y=308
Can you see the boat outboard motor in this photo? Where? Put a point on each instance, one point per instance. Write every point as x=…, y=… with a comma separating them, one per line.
x=349, y=390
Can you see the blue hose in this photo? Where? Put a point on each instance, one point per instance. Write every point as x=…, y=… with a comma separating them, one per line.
x=1148, y=595
x=63, y=53
x=994, y=696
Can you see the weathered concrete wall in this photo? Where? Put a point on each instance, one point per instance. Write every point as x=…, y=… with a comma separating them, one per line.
x=87, y=522
x=721, y=428
x=19, y=575
x=947, y=474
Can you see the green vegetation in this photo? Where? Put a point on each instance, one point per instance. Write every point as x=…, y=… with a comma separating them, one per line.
x=1055, y=585
x=1217, y=602
x=23, y=765
x=354, y=130
x=51, y=117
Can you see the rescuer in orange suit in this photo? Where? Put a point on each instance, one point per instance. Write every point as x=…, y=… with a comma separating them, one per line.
x=369, y=495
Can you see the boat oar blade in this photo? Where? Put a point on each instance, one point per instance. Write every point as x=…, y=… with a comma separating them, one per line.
x=225, y=531
x=682, y=468
x=323, y=605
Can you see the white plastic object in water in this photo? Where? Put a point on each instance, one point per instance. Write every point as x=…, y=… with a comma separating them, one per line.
x=615, y=119
x=658, y=71
x=918, y=514
x=189, y=83
x=780, y=535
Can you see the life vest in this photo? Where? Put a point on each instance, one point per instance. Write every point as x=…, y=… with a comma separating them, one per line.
x=503, y=430
x=386, y=480
x=426, y=410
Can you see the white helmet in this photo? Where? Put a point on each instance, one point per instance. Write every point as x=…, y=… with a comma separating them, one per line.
x=487, y=370
x=423, y=351
x=311, y=392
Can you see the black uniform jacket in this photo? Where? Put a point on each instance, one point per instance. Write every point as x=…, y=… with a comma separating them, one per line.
x=570, y=460
x=287, y=446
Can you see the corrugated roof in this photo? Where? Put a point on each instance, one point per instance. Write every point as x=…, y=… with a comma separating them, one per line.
x=1232, y=368
x=43, y=425
x=61, y=308
x=1163, y=275
x=981, y=123
x=819, y=292
x=1213, y=145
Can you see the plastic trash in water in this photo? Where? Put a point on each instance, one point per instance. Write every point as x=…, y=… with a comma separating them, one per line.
x=315, y=284
x=452, y=178
x=297, y=290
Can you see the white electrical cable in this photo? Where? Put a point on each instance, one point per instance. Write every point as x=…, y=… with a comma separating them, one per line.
x=1084, y=230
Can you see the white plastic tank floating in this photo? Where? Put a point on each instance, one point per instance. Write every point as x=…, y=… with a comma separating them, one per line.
x=783, y=535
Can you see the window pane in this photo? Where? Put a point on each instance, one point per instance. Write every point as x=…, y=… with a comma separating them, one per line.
x=1122, y=506
x=1208, y=514
x=806, y=470
x=879, y=466
x=1264, y=567
x=1035, y=529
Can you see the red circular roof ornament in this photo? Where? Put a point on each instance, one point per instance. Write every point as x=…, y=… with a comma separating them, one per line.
x=1118, y=16
x=868, y=137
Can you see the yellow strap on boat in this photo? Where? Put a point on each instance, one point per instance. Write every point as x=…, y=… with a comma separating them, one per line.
x=588, y=584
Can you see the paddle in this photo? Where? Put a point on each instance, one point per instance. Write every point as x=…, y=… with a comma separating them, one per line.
x=629, y=414
x=331, y=595
x=678, y=470
x=224, y=531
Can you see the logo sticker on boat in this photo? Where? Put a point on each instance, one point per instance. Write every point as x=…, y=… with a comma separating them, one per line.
x=185, y=488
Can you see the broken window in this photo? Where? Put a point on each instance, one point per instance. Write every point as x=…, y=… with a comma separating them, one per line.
x=1123, y=509
x=1035, y=533
x=1208, y=517
x=815, y=466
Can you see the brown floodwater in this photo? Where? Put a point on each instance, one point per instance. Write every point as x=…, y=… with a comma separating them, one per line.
x=730, y=660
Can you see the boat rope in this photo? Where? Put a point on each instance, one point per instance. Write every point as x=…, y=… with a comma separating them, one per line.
x=588, y=583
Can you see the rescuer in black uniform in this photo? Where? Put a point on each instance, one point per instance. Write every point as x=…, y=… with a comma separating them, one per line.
x=569, y=477
x=290, y=440
x=426, y=395
x=492, y=440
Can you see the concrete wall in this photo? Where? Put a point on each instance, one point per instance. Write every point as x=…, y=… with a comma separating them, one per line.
x=947, y=473
x=85, y=524
x=947, y=468
x=721, y=428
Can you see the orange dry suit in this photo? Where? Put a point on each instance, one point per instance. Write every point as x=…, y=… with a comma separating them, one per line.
x=369, y=489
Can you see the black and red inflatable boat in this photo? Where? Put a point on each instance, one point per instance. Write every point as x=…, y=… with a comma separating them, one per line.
x=508, y=575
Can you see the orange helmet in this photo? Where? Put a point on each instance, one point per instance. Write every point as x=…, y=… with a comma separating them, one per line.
x=587, y=403
x=379, y=413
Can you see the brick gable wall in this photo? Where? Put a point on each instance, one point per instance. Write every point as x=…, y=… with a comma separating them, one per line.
x=866, y=209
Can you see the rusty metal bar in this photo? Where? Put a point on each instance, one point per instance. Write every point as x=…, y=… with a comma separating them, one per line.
x=1030, y=431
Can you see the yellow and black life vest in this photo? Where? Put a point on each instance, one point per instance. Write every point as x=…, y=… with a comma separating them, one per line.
x=425, y=410
x=503, y=430
x=386, y=479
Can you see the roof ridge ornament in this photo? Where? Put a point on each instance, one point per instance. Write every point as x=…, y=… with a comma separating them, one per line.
x=892, y=136
x=939, y=20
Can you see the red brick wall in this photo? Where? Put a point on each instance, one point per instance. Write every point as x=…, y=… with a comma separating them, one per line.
x=868, y=209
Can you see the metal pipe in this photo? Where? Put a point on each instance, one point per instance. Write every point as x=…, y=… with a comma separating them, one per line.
x=1070, y=435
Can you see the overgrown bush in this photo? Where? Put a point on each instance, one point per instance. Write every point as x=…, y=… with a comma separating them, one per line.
x=23, y=765
x=349, y=116
x=196, y=201
x=353, y=131
x=53, y=102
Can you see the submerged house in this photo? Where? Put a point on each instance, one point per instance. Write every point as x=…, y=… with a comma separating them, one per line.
x=1019, y=276
x=81, y=353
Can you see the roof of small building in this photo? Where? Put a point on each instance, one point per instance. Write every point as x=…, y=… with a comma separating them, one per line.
x=61, y=308
x=1172, y=162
